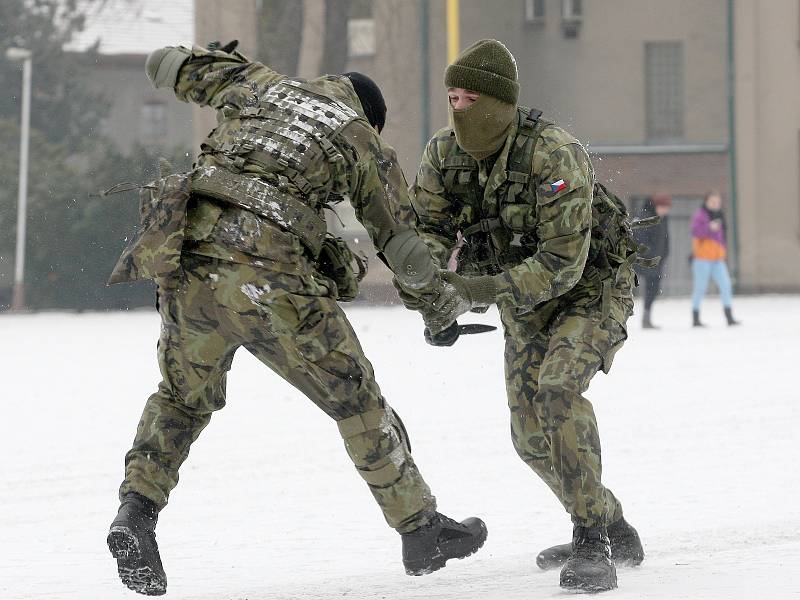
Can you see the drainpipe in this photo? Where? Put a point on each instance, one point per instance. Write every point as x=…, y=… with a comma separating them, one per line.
x=425, y=71
x=732, y=182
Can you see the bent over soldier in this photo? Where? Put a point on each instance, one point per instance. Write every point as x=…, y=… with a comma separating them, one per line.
x=239, y=250
x=510, y=198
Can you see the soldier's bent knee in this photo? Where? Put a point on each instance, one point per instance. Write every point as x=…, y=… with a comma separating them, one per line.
x=376, y=443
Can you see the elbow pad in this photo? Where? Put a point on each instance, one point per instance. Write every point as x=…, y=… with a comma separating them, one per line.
x=162, y=65
x=410, y=260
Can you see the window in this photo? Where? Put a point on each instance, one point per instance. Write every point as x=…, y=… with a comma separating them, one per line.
x=153, y=123
x=534, y=11
x=572, y=9
x=360, y=37
x=360, y=29
x=571, y=17
x=664, y=90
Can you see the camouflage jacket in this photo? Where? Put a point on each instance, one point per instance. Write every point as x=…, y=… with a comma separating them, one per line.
x=525, y=215
x=372, y=180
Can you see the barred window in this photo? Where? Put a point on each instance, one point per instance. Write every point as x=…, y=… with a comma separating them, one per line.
x=664, y=90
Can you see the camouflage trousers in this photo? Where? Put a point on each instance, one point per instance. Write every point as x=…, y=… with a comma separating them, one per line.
x=213, y=307
x=549, y=364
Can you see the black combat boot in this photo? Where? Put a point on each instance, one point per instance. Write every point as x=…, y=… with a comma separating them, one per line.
x=696, y=319
x=589, y=567
x=428, y=548
x=626, y=548
x=132, y=541
x=729, y=317
x=646, y=322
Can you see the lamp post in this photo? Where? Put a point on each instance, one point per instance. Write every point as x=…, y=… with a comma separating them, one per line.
x=23, y=55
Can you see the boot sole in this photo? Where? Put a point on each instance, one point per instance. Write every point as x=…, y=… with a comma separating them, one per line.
x=587, y=587
x=418, y=568
x=572, y=582
x=548, y=563
x=124, y=546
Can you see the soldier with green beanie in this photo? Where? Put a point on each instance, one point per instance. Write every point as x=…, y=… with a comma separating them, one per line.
x=511, y=199
x=240, y=252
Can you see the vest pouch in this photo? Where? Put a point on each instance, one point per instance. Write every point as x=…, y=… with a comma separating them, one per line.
x=336, y=263
x=460, y=175
x=154, y=251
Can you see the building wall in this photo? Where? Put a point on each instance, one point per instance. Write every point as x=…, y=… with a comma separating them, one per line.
x=768, y=143
x=594, y=85
x=222, y=21
x=122, y=79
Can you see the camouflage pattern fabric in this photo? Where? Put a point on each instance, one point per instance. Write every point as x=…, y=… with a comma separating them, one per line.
x=548, y=367
x=525, y=215
x=213, y=307
x=374, y=183
x=246, y=281
x=550, y=214
x=154, y=252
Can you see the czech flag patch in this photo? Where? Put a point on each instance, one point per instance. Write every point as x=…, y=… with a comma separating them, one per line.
x=557, y=186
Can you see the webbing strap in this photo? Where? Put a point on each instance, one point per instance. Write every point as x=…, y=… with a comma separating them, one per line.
x=484, y=225
x=520, y=161
x=459, y=161
x=366, y=421
x=387, y=471
x=265, y=200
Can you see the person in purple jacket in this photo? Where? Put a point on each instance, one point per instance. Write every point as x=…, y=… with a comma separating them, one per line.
x=709, y=249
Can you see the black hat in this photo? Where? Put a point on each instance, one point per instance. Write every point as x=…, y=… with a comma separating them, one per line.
x=371, y=99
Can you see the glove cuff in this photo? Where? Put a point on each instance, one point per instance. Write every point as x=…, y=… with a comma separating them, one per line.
x=483, y=289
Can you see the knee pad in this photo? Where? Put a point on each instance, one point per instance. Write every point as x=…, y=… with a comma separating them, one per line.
x=377, y=444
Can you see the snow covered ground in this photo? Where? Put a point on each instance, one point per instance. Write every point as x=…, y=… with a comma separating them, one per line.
x=699, y=430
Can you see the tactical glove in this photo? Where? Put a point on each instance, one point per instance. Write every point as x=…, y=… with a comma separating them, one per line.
x=410, y=260
x=458, y=295
x=446, y=338
x=227, y=48
x=410, y=301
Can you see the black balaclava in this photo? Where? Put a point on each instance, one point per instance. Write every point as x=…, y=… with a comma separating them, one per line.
x=369, y=94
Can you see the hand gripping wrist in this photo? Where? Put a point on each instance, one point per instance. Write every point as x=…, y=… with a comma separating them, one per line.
x=482, y=290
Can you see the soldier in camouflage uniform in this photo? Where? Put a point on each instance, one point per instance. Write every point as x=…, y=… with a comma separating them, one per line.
x=511, y=198
x=239, y=250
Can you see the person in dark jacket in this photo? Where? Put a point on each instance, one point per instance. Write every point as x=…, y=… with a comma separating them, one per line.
x=656, y=238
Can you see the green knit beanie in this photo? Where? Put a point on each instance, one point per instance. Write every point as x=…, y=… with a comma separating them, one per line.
x=486, y=67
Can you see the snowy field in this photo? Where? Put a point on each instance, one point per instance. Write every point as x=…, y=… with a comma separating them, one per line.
x=700, y=443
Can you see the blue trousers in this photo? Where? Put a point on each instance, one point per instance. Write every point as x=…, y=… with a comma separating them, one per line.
x=702, y=271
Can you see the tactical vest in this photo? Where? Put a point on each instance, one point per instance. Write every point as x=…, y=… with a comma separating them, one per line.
x=291, y=135
x=499, y=231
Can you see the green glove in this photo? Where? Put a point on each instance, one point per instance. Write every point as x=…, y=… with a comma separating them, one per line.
x=459, y=295
x=409, y=300
x=410, y=260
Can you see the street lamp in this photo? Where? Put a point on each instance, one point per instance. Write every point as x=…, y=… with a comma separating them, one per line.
x=24, y=56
